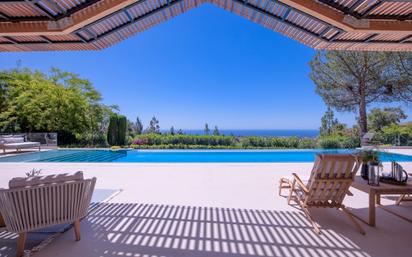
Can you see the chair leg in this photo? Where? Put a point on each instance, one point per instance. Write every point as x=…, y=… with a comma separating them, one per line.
x=290, y=196
x=311, y=220
x=349, y=214
x=400, y=199
x=280, y=186
x=76, y=225
x=20, y=244
x=292, y=191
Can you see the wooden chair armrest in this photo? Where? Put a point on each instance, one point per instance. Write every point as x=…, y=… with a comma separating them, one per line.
x=300, y=183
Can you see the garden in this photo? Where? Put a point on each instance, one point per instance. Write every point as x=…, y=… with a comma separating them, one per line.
x=371, y=85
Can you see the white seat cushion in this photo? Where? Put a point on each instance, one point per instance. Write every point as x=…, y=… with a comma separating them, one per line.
x=21, y=145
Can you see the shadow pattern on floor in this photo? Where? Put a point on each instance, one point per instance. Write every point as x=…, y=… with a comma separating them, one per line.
x=170, y=230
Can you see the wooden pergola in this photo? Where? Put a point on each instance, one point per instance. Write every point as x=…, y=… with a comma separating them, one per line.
x=364, y=25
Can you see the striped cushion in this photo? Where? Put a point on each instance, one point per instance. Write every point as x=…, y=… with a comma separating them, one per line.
x=41, y=180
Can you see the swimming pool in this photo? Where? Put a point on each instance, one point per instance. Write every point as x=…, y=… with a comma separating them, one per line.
x=185, y=156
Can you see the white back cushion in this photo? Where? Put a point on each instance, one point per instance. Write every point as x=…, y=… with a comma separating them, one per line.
x=41, y=180
x=11, y=140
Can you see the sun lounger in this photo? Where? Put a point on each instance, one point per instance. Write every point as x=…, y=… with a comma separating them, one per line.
x=367, y=140
x=17, y=143
x=328, y=184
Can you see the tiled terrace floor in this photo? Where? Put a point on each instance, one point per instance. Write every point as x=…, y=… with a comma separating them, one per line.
x=212, y=210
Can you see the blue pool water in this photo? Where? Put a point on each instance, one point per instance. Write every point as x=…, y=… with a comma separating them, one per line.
x=184, y=156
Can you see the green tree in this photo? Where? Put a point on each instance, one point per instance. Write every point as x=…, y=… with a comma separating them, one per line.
x=330, y=124
x=172, y=131
x=122, y=128
x=131, y=128
x=154, y=127
x=216, y=131
x=62, y=102
x=207, y=130
x=350, y=81
x=116, y=133
x=379, y=118
x=138, y=126
x=112, y=131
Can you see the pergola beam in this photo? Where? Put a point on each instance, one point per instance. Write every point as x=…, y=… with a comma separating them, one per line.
x=55, y=5
x=280, y=19
x=333, y=38
x=323, y=32
x=68, y=23
x=47, y=40
x=355, y=5
x=84, y=40
x=41, y=43
x=366, y=14
x=369, y=39
x=312, y=22
x=403, y=40
x=36, y=5
x=371, y=8
x=4, y=16
x=129, y=17
x=345, y=22
x=286, y=14
x=137, y=19
x=12, y=41
x=73, y=21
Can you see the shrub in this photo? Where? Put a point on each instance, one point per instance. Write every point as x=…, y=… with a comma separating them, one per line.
x=334, y=141
x=307, y=143
x=329, y=142
x=349, y=142
x=168, y=141
x=129, y=140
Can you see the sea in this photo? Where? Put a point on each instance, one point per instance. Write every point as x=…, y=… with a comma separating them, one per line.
x=258, y=132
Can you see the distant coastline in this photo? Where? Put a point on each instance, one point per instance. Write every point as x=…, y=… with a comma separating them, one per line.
x=259, y=132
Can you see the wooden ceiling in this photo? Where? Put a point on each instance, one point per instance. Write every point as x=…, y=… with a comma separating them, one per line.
x=46, y=25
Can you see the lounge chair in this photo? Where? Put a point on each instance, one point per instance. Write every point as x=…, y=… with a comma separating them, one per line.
x=328, y=184
x=17, y=143
x=43, y=201
x=51, y=139
x=367, y=139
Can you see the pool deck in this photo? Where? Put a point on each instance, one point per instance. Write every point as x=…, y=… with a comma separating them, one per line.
x=135, y=223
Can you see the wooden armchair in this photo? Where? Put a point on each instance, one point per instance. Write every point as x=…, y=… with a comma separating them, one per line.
x=329, y=183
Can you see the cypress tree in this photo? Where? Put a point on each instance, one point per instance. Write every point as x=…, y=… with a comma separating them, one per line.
x=121, y=132
x=112, y=130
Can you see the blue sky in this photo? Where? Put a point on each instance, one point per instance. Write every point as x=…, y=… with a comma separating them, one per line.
x=207, y=65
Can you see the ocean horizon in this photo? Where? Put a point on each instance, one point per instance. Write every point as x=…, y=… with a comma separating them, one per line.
x=257, y=132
